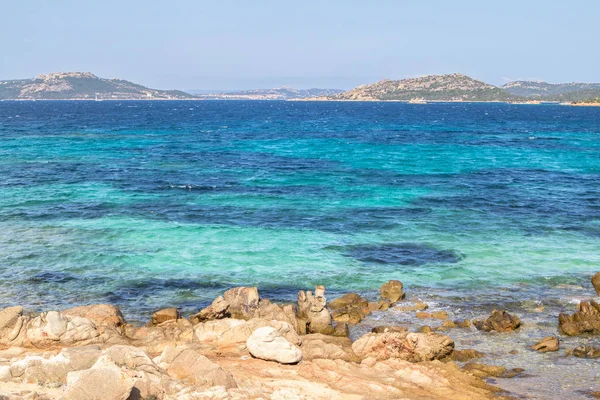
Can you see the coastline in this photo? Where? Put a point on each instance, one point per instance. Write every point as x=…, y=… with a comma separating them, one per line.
x=341, y=348
x=322, y=100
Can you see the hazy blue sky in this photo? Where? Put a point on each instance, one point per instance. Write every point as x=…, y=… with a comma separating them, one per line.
x=193, y=44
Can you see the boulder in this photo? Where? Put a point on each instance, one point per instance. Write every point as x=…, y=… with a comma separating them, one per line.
x=267, y=343
x=341, y=329
x=104, y=381
x=413, y=347
x=51, y=329
x=585, y=320
x=230, y=335
x=100, y=314
x=155, y=338
x=54, y=370
x=596, y=282
x=219, y=309
x=547, y=344
x=392, y=291
x=164, y=315
x=11, y=324
x=132, y=358
x=185, y=363
x=316, y=346
x=243, y=302
x=286, y=313
x=499, y=321
x=312, y=309
x=350, y=308
x=587, y=352
x=447, y=324
x=465, y=323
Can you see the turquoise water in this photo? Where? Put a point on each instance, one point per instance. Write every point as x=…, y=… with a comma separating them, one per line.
x=155, y=204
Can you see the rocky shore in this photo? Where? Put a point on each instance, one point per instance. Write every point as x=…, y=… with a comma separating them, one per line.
x=243, y=346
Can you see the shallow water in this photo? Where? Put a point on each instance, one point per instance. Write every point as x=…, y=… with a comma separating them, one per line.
x=154, y=204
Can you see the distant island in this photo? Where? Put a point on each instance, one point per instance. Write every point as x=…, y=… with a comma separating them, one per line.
x=283, y=93
x=432, y=88
x=82, y=86
x=459, y=87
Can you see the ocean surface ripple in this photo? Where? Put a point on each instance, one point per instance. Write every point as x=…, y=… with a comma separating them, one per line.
x=155, y=204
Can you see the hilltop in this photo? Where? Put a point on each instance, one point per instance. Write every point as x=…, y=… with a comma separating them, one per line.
x=81, y=86
x=283, y=93
x=450, y=87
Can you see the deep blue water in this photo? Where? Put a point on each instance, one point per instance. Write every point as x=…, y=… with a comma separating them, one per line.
x=152, y=204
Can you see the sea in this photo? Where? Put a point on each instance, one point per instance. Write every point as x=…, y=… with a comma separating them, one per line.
x=153, y=204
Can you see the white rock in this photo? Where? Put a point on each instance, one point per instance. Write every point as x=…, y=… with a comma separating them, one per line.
x=5, y=374
x=268, y=344
x=104, y=381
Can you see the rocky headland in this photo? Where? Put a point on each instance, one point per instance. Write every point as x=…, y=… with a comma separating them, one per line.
x=82, y=86
x=243, y=346
x=459, y=87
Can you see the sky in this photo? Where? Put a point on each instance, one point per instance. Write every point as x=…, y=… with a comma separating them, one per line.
x=230, y=45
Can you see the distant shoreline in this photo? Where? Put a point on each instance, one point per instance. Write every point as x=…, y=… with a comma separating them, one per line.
x=531, y=103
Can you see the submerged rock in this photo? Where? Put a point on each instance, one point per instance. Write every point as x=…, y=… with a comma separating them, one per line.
x=464, y=355
x=587, y=352
x=435, y=314
x=485, y=370
x=389, y=328
x=418, y=306
x=549, y=343
x=392, y=291
x=267, y=343
x=585, y=320
x=499, y=321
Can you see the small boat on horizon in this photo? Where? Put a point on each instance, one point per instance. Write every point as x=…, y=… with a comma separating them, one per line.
x=417, y=101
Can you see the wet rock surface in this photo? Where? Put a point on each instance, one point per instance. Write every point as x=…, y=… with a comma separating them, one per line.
x=585, y=320
x=596, y=282
x=586, y=352
x=499, y=321
x=549, y=343
x=350, y=308
x=392, y=291
x=164, y=315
